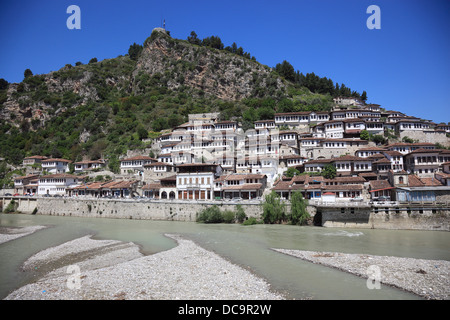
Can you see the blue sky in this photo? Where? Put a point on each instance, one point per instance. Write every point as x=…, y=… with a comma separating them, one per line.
x=403, y=66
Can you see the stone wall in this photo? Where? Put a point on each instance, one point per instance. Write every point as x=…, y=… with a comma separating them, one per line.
x=358, y=216
x=396, y=218
x=427, y=136
x=134, y=209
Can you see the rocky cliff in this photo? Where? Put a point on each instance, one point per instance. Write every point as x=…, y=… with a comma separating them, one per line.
x=164, y=62
x=210, y=71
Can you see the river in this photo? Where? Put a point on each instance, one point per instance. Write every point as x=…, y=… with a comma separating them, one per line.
x=247, y=246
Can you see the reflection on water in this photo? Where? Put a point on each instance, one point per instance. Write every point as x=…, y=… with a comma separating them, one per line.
x=248, y=246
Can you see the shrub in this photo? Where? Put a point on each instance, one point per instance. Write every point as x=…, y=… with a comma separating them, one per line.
x=250, y=221
x=228, y=216
x=11, y=207
x=210, y=215
x=240, y=214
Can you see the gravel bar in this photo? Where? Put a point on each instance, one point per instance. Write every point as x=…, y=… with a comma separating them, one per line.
x=111, y=270
x=8, y=234
x=426, y=278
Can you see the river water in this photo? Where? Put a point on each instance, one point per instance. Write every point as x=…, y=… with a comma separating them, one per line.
x=247, y=246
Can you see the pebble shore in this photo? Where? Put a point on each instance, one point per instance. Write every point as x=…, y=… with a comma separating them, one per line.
x=8, y=234
x=429, y=279
x=113, y=270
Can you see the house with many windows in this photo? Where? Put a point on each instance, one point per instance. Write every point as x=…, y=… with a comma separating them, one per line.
x=196, y=181
x=55, y=165
x=56, y=184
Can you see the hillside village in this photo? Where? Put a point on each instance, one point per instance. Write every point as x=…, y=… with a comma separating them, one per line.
x=207, y=159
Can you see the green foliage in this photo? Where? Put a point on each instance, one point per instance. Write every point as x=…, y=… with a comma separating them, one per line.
x=93, y=60
x=142, y=133
x=160, y=124
x=378, y=139
x=240, y=214
x=408, y=140
x=251, y=221
x=299, y=215
x=11, y=207
x=291, y=172
x=193, y=39
x=134, y=51
x=228, y=216
x=210, y=215
x=214, y=215
x=329, y=171
x=3, y=84
x=27, y=73
x=286, y=70
x=364, y=135
x=273, y=209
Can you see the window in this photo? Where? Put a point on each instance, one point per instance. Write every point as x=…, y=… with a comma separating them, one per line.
x=400, y=180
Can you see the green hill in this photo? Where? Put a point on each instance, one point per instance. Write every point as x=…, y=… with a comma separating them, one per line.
x=104, y=108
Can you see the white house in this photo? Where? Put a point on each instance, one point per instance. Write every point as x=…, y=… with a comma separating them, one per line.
x=89, y=165
x=56, y=184
x=55, y=165
x=196, y=181
x=135, y=164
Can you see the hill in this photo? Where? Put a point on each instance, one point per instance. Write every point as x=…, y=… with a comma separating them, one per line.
x=104, y=108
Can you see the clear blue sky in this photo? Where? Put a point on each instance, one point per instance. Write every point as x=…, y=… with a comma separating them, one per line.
x=403, y=66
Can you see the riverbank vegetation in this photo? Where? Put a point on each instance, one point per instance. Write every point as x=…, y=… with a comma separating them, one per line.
x=275, y=209
x=213, y=214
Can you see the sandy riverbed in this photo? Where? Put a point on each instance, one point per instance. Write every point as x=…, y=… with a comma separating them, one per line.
x=105, y=270
x=427, y=278
x=8, y=234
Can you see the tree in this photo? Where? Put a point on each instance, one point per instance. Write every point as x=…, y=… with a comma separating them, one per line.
x=142, y=133
x=364, y=96
x=93, y=60
x=378, y=139
x=299, y=215
x=364, y=135
x=273, y=209
x=134, y=51
x=27, y=73
x=329, y=171
x=286, y=70
x=160, y=124
x=194, y=39
x=292, y=172
x=265, y=113
x=3, y=84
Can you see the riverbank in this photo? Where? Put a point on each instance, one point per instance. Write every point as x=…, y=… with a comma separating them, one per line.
x=113, y=270
x=426, y=278
x=8, y=234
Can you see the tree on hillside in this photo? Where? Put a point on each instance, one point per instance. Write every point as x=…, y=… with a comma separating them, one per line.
x=364, y=96
x=329, y=171
x=27, y=73
x=286, y=70
x=213, y=42
x=364, y=135
x=194, y=39
x=134, y=51
x=291, y=172
x=3, y=84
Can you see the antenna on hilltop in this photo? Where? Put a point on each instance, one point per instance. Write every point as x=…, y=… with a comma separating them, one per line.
x=164, y=24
